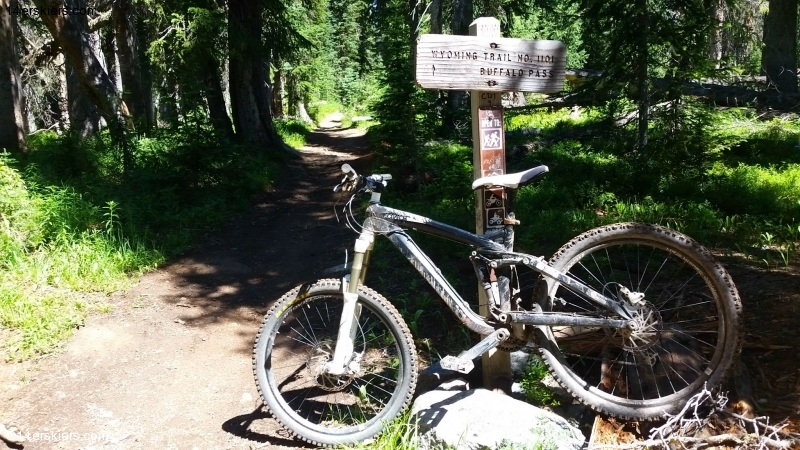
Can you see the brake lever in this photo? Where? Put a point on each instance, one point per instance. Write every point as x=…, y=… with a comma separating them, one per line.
x=350, y=181
x=342, y=184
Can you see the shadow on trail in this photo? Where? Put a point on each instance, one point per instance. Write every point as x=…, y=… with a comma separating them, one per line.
x=289, y=237
x=241, y=426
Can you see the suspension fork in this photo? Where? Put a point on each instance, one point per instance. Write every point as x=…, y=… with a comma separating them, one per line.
x=342, y=360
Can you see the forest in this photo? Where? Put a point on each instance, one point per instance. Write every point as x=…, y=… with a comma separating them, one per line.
x=132, y=127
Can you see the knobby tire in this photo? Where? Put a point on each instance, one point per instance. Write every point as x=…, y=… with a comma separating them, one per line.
x=690, y=326
x=297, y=337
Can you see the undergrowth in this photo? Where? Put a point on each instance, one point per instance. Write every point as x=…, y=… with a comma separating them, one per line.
x=399, y=434
x=737, y=188
x=293, y=132
x=72, y=222
x=535, y=391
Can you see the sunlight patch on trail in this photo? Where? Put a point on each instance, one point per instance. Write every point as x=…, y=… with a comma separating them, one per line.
x=330, y=126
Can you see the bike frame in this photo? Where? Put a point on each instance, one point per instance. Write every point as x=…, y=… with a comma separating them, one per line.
x=392, y=223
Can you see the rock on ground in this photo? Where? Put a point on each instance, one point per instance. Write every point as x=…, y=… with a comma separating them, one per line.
x=482, y=419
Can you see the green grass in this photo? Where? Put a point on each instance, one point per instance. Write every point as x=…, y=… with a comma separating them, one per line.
x=71, y=222
x=293, y=132
x=749, y=184
x=41, y=320
x=365, y=124
x=319, y=110
x=400, y=434
x=535, y=391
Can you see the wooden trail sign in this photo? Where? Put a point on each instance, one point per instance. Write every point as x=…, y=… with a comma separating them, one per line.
x=491, y=64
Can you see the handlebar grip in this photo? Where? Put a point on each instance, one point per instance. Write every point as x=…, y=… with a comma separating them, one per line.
x=386, y=176
x=347, y=169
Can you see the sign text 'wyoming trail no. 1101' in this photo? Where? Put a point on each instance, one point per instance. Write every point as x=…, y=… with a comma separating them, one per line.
x=489, y=64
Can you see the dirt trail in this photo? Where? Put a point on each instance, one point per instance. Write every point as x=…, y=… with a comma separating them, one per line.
x=170, y=366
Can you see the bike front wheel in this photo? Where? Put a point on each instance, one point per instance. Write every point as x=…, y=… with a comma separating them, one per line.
x=297, y=339
x=684, y=336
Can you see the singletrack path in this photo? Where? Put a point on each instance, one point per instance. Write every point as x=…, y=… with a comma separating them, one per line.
x=170, y=366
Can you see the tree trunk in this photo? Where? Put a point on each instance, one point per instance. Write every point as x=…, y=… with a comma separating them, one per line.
x=67, y=33
x=459, y=24
x=53, y=115
x=145, y=71
x=110, y=55
x=216, y=103
x=84, y=119
x=436, y=17
x=293, y=98
x=168, y=101
x=642, y=78
x=277, y=91
x=249, y=76
x=779, y=58
x=296, y=107
x=134, y=88
x=717, y=10
x=12, y=124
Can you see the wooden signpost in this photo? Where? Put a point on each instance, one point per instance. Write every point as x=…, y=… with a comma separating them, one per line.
x=488, y=65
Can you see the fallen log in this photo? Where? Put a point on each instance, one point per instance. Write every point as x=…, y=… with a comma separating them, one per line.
x=739, y=94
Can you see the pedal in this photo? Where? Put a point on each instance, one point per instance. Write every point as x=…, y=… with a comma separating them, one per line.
x=457, y=364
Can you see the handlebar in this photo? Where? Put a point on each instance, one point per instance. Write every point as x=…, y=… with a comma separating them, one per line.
x=352, y=180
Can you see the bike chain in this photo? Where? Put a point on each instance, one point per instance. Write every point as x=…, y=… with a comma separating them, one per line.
x=512, y=344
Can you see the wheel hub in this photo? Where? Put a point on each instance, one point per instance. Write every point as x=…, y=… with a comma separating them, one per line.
x=316, y=362
x=644, y=329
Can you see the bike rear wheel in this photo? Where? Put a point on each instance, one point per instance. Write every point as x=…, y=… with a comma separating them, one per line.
x=686, y=332
x=297, y=338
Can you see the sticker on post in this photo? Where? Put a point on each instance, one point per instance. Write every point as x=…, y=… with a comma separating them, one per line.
x=494, y=217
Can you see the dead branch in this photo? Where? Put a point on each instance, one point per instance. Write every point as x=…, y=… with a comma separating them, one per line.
x=50, y=49
x=680, y=430
x=737, y=441
x=100, y=21
x=682, y=421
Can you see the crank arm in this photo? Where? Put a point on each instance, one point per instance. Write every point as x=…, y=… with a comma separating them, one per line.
x=463, y=362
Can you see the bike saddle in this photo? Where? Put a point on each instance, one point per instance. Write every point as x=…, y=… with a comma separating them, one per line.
x=511, y=180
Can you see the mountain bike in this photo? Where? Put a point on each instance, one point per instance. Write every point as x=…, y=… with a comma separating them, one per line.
x=632, y=319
